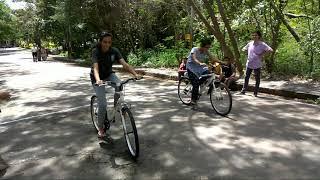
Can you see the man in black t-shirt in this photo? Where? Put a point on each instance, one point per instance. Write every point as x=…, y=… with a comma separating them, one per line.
x=103, y=57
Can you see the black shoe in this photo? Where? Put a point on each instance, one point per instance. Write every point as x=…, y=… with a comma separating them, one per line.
x=242, y=92
x=255, y=95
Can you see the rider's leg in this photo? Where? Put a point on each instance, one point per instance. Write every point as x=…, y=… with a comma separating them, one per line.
x=202, y=80
x=195, y=86
x=114, y=78
x=102, y=104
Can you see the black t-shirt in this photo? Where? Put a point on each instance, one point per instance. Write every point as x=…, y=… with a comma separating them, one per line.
x=228, y=70
x=105, y=62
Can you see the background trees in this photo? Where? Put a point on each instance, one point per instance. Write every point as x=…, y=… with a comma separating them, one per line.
x=7, y=24
x=152, y=32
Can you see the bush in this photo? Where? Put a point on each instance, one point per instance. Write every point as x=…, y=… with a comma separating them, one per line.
x=290, y=59
x=316, y=74
x=154, y=58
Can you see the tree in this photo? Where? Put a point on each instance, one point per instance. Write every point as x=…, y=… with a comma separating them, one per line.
x=215, y=30
x=7, y=24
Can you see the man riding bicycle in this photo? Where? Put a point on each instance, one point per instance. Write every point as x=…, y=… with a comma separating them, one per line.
x=196, y=67
x=103, y=57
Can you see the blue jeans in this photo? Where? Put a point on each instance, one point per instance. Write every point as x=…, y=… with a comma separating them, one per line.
x=257, y=73
x=101, y=95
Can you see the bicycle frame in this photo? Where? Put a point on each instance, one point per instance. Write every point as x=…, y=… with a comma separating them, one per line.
x=119, y=89
x=206, y=84
x=127, y=119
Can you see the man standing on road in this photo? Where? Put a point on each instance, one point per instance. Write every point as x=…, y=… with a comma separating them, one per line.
x=256, y=50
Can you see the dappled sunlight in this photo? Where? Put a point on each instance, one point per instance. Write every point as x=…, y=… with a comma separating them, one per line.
x=312, y=125
x=167, y=159
x=46, y=132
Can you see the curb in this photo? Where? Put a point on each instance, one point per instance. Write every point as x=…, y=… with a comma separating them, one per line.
x=142, y=72
x=277, y=92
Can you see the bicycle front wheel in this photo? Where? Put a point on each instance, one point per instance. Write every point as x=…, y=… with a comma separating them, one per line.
x=130, y=132
x=94, y=112
x=185, y=90
x=221, y=99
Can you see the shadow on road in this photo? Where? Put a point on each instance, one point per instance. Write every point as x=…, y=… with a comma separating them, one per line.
x=267, y=138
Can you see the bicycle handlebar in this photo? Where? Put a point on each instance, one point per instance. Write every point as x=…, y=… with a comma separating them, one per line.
x=121, y=83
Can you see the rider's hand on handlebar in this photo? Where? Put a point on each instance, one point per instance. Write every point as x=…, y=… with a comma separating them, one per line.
x=99, y=82
x=203, y=64
x=138, y=77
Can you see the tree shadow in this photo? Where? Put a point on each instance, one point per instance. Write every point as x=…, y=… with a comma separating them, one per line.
x=175, y=142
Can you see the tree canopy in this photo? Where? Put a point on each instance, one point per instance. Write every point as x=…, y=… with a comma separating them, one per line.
x=143, y=29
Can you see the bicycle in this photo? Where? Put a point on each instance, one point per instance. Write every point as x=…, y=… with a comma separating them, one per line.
x=122, y=109
x=220, y=96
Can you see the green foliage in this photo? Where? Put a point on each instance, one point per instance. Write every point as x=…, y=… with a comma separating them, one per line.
x=290, y=60
x=160, y=57
x=150, y=33
x=315, y=74
x=7, y=23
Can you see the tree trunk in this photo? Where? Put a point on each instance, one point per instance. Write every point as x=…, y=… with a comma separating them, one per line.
x=231, y=36
x=310, y=48
x=284, y=21
x=255, y=16
x=68, y=28
x=213, y=29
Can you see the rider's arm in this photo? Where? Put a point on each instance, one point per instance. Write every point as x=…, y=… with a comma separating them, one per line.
x=96, y=73
x=233, y=69
x=127, y=67
x=213, y=59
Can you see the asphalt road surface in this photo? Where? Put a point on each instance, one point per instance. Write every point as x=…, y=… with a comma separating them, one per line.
x=46, y=131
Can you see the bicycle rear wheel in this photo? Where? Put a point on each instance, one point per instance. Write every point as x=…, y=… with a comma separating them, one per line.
x=185, y=90
x=221, y=99
x=130, y=132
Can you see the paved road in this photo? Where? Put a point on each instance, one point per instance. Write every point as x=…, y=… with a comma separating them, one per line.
x=45, y=131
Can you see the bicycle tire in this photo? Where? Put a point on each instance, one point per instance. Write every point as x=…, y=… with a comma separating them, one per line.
x=185, y=90
x=129, y=127
x=94, y=115
x=94, y=112
x=216, y=95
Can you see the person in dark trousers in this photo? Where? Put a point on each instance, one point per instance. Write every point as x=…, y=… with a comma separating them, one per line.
x=256, y=50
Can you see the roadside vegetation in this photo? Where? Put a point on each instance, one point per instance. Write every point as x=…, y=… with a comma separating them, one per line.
x=155, y=33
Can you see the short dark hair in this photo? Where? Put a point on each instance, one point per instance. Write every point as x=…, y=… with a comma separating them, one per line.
x=204, y=42
x=258, y=33
x=103, y=35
